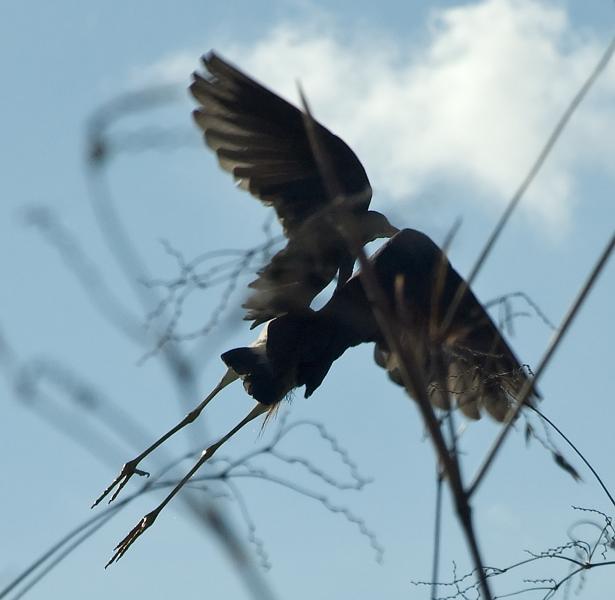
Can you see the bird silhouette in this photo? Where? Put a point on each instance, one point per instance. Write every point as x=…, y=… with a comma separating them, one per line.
x=265, y=143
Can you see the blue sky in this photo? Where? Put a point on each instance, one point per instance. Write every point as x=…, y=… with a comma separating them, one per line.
x=447, y=104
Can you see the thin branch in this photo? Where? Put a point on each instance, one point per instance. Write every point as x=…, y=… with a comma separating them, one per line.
x=529, y=384
x=409, y=369
x=330, y=506
x=61, y=555
x=576, y=451
x=537, y=310
x=75, y=257
x=534, y=170
x=237, y=468
x=256, y=542
x=90, y=525
x=179, y=366
x=437, y=536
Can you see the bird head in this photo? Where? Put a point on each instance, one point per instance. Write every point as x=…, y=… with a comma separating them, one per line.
x=375, y=225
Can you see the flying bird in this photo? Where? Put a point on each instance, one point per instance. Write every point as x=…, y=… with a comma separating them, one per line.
x=261, y=140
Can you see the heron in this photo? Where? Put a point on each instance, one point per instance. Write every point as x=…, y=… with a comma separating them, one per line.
x=261, y=139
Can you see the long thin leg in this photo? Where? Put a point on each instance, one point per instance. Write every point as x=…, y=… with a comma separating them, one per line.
x=130, y=468
x=148, y=519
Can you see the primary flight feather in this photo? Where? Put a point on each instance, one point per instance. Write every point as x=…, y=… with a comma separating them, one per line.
x=261, y=140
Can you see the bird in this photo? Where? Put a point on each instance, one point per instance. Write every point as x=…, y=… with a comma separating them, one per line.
x=261, y=139
x=265, y=143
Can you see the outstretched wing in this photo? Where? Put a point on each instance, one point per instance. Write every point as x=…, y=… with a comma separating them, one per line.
x=474, y=363
x=261, y=140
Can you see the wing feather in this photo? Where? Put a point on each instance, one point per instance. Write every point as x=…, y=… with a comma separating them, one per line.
x=257, y=134
x=481, y=372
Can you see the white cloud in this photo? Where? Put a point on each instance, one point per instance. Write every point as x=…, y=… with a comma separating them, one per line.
x=472, y=106
x=174, y=68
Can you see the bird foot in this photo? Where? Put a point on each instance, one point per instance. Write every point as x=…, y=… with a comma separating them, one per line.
x=128, y=470
x=132, y=536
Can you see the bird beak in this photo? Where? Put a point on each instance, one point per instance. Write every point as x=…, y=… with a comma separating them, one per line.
x=392, y=230
x=388, y=230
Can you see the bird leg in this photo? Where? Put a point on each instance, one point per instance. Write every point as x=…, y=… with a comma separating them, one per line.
x=130, y=468
x=149, y=518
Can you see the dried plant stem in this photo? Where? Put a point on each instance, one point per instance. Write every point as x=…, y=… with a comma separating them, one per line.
x=534, y=170
x=553, y=345
x=409, y=368
x=179, y=366
x=576, y=451
x=436, y=535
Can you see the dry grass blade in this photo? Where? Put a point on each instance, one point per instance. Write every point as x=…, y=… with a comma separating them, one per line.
x=409, y=368
x=534, y=170
x=576, y=451
x=555, y=342
x=410, y=371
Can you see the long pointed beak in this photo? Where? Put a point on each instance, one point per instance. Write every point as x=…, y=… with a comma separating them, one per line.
x=392, y=230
